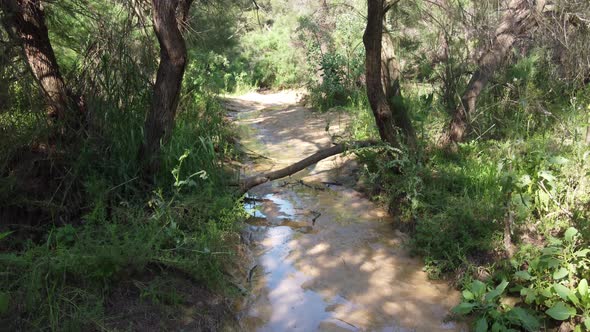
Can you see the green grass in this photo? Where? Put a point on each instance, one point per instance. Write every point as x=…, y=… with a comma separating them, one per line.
x=61, y=278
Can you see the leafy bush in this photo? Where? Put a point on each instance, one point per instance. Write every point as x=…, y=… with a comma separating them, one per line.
x=491, y=314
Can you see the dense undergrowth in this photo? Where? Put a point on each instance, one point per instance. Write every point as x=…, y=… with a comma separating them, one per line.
x=80, y=224
x=505, y=214
x=58, y=273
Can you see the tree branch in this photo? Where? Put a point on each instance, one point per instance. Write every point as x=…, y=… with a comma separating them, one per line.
x=259, y=179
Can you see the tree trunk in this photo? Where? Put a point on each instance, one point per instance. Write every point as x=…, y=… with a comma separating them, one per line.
x=182, y=12
x=160, y=118
x=382, y=76
x=25, y=21
x=514, y=23
x=375, y=94
x=390, y=76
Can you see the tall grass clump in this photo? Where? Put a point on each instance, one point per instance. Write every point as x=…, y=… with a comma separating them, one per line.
x=80, y=222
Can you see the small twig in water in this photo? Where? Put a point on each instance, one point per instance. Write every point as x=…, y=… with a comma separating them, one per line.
x=343, y=321
x=332, y=183
x=317, y=215
x=302, y=183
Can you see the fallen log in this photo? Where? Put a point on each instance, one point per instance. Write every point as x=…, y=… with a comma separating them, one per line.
x=255, y=180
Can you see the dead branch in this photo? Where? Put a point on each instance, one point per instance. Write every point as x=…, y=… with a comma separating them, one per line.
x=255, y=180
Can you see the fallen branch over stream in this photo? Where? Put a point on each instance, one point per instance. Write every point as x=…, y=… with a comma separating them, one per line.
x=255, y=180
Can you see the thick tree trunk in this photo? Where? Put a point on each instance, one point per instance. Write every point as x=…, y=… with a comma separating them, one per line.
x=382, y=76
x=377, y=99
x=25, y=21
x=160, y=118
x=515, y=21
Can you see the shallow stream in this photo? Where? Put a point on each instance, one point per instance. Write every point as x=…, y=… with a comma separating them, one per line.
x=326, y=257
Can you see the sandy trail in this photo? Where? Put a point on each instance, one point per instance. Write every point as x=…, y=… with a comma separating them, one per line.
x=328, y=259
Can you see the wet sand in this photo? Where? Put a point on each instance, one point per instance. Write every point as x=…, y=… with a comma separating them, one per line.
x=327, y=258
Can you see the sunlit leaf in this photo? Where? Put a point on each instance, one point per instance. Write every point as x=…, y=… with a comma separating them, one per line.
x=478, y=288
x=524, y=275
x=562, y=291
x=463, y=308
x=491, y=296
x=583, y=287
x=467, y=295
x=558, y=160
x=546, y=175
x=561, y=273
x=570, y=233
x=560, y=311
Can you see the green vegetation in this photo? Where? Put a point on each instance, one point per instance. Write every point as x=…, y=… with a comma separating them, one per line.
x=491, y=213
x=80, y=223
x=502, y=210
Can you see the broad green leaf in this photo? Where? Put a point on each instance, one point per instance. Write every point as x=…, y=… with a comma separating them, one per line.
x=529, y=294
x=587, y=322
x=562, y=291
x=467, y=295
x=481, y=325
x=546, y=175
x=546, y=292
x=524, y=275
x=561, y=273
x=528, y=321
x=550, y=251
x=583, y=287
x=582, y=253
x=493, y=295
x=498, y=327
x=502, y=286
x=558, y=160
x=524, y=181
x=569, y=234
x=478, y=288
x=573, y=298
x=463, y=308
x=560, y=311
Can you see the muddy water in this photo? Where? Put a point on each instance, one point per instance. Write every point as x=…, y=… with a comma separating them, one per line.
x=327, y=259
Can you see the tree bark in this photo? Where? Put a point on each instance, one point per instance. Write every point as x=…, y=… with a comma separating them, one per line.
x=390, y=77
x=160, y=118
x=256, y=180
x=382, y=77
x=515, y=21
x=182, y=11
x=25, y=22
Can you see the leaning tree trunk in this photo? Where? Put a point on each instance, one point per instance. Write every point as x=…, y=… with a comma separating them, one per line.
x=390, y=76
x=514, y=22
x=160, y=118
x=25, y=21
